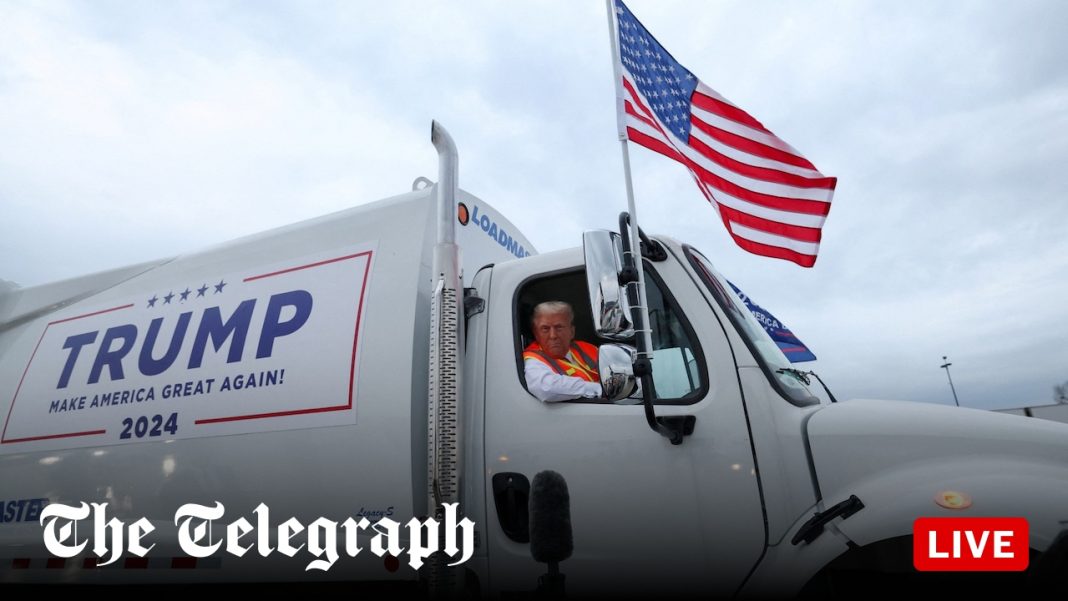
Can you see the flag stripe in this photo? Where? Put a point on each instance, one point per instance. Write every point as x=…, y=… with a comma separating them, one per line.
x=805, y=248
x=794, y=232
x=643, y=118
x=727, y=111
x=742, y=220
x=657, y=145
x=707, y=91
x=744, y=131
x=788, y=217
x=761, y=173
x=746, y=157
x=785, y=203
x=812, y=209
x=775, y=213
x=775, y=252
x=746, y=145
x=759, y=133
x=718, y=171
x=797, y=248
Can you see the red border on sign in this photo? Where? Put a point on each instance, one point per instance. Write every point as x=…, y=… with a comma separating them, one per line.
x=355, y=340
x=3, y=437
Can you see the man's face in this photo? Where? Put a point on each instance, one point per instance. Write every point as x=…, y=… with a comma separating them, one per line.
x=554, y=333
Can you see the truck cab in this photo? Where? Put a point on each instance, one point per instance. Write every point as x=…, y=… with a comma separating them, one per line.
x=772, y=489
x=700, y=512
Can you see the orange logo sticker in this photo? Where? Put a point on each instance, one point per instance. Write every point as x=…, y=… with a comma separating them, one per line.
x=951, y=499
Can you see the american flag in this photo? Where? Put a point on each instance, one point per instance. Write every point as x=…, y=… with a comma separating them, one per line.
x=772, y=200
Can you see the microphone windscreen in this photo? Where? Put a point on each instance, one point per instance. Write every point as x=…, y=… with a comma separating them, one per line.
x=550, y=518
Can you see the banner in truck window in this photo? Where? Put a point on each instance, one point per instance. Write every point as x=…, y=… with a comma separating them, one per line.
x=273, y=348
x=790, y=345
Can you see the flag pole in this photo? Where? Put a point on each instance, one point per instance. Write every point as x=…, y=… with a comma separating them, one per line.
x=645, y=328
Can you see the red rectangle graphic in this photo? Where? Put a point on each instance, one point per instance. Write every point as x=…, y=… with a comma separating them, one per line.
x=970, y=544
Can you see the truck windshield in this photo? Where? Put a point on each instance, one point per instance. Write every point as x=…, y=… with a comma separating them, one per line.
x=759, y=342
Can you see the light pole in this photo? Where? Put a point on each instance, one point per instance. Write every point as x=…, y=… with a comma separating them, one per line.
x=945, y=366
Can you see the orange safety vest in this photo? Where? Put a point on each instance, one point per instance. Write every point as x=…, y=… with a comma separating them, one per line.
x=584, y=365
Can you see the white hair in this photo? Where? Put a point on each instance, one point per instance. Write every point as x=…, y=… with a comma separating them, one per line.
x=552, y=308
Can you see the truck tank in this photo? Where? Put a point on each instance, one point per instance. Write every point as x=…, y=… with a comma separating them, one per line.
x=287, y=368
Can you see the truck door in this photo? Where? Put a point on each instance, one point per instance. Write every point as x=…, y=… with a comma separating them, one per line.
x=646, y=516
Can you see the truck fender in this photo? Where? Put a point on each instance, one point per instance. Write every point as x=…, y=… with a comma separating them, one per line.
x=984, y=487
x=893, y=499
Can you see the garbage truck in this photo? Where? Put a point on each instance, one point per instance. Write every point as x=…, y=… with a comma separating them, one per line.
x=367, y=364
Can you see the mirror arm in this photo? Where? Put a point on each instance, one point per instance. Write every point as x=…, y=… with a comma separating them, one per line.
x=651, y=249
x=643, y=367
x=658, y=424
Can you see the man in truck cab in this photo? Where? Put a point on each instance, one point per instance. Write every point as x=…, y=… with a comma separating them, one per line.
x=556, y=366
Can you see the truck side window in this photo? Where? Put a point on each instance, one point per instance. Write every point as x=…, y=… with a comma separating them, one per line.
x=678, y=369
x=677, y=372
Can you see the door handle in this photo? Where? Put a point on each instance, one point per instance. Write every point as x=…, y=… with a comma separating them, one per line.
x=511, y=494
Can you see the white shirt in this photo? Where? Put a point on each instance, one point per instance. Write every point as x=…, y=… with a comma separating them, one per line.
x=551, y=387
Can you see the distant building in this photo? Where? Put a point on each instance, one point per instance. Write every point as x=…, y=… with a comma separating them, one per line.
x=1057, y=412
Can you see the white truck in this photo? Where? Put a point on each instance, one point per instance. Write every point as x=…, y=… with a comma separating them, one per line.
x=368, y=364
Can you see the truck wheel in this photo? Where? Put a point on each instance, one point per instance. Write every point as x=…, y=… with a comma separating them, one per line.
x=1049, y=574
x=885, y=569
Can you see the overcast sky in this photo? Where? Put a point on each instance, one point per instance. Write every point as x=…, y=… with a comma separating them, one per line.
x=137, y=130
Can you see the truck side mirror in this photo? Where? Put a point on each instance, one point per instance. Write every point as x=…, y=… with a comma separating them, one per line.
x=604, y=261
x=616, y=364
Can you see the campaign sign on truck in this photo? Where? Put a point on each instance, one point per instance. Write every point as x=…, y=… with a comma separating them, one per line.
x=273, y=348
x=790, y=345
